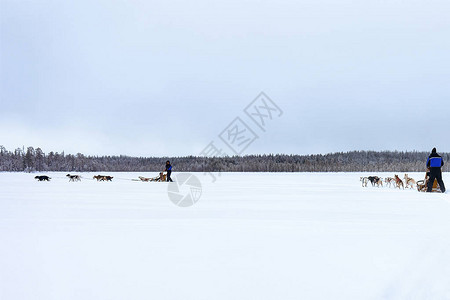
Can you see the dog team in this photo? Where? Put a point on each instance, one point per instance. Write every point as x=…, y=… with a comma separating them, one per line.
x=432, y=182
x=75, y=178
x=395, y=181
x=163, y=176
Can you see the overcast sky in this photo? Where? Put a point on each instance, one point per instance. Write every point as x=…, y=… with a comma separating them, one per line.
x=167, y=77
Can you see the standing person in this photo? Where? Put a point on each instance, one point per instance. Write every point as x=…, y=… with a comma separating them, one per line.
x=169, y=171
x=435, y=163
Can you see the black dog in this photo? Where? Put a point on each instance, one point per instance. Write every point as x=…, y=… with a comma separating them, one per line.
x=373, y=179
x=42, y=178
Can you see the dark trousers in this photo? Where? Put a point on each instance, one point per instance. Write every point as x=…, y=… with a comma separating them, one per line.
x=435, y=173
x=168, y=176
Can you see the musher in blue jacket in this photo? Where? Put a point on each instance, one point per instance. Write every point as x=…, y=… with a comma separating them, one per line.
x=169, y=171
x=435, y=163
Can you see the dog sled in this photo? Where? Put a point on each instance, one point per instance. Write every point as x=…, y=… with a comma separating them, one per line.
x=161, y=178
x=422, y=185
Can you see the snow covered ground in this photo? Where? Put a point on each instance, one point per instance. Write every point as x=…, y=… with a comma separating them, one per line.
x=250, y=236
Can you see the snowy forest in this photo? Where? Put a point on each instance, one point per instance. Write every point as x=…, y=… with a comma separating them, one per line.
x=35, y=160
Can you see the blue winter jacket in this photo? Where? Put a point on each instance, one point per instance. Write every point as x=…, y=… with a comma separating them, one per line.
x=435, y=161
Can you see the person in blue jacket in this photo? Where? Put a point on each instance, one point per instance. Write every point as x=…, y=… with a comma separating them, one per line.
x=435, y=163
x=169, y=171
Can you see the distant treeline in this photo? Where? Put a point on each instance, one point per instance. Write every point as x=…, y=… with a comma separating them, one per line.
x=32, y=160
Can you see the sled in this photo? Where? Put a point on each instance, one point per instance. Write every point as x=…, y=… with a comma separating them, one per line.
x=162, y=177
x=422, y=185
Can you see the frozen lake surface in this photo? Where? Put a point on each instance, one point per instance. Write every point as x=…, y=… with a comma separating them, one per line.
x=250, y=236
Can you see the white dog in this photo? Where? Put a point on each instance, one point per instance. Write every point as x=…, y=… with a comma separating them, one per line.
x=364, y=181
x=409, y=181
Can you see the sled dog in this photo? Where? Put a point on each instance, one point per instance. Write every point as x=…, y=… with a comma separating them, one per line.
x=364, y=181
x=389, y=181
x=42, y=178
x=409, y=182
x=398, y=182
x=73, y=177
x=103, y=178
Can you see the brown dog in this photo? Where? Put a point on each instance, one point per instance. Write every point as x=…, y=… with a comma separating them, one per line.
x=98, y=177
x=103, y=178
x=162, y=176
x=398, y=182
x=379, y=182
